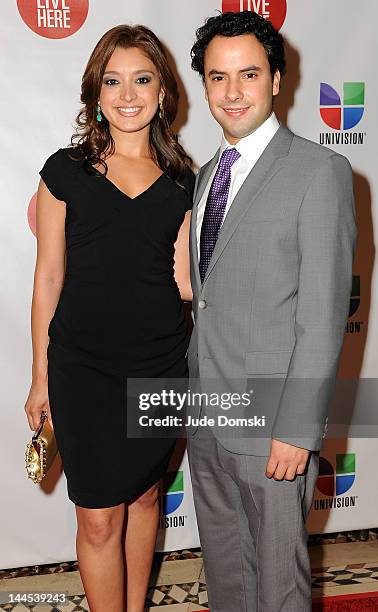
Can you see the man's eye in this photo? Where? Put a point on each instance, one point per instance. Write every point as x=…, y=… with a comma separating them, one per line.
x=143, y=80
x=110, y=82
x=217, y=78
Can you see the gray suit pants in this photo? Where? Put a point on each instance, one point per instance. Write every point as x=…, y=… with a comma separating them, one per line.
x=252, y=530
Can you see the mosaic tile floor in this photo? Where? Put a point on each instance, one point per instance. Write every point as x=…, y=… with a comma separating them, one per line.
x=354, y=573
x=178, y=582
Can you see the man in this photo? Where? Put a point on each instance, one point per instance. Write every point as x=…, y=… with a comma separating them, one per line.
x=272, y=240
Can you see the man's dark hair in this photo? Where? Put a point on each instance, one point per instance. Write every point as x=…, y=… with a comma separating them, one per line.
x=236, y=24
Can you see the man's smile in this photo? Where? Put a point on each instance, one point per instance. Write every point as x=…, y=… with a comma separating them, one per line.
x=235, y=112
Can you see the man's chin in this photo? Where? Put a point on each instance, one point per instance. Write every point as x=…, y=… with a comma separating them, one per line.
x=238, y=132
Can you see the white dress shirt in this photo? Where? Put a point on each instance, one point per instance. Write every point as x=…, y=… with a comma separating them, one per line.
x=250, y=148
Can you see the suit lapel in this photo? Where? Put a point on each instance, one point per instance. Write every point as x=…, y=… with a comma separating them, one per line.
x=202, y=180
x=262, y=172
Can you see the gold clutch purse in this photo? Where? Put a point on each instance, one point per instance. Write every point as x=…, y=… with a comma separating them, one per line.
x=41, y=450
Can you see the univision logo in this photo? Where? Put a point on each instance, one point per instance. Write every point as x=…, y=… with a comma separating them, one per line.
x=273, y=10
x=337, y=116
x=342, y=114
x=334, y=483
x=172, y=495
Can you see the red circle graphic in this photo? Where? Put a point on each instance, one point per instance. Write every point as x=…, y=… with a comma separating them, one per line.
x=54, y=18
x=273, y=10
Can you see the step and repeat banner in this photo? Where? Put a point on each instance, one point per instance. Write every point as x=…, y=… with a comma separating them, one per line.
x=329, y=96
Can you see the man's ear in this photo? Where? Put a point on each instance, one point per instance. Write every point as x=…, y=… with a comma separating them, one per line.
x=276, y=83
x=205, y=90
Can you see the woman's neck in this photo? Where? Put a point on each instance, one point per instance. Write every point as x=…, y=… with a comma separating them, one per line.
x=134, y=144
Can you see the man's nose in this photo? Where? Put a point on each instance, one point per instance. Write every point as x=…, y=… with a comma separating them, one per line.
x=233, y=91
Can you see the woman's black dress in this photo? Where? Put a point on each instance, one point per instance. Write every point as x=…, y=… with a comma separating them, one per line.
x=119, y=315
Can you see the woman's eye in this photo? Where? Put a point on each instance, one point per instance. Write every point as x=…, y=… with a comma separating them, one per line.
x=143, y=80
x=251, y=75
x=111, y=82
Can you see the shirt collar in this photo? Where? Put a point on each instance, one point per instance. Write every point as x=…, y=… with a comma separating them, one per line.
x=255, y=143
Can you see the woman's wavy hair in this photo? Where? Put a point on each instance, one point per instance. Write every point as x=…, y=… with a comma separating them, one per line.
x=94, y=138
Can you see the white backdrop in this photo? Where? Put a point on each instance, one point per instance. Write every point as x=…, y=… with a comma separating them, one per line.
x=333, y=42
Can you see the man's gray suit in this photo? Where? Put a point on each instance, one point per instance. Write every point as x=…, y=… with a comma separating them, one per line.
x=273, y=304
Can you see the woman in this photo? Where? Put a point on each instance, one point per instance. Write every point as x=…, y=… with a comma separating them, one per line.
x=112, y=268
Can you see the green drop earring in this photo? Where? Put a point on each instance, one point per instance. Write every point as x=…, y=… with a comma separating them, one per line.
x=99, y=117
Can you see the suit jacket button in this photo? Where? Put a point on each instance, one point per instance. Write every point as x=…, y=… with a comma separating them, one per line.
x=202, y=304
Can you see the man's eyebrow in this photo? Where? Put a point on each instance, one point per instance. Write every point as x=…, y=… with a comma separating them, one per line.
x=248, y=69
x=251, y=68
x=213, y=71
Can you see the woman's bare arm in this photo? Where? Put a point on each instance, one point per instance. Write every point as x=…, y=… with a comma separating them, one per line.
x=48, y=281
x=182, y=261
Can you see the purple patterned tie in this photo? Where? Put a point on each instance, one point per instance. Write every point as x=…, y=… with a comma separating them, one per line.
x=215, y=207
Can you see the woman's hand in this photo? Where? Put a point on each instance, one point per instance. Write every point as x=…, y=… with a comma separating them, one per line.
x=37, y=402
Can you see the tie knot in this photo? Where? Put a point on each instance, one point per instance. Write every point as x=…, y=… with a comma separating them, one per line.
x=228, y=158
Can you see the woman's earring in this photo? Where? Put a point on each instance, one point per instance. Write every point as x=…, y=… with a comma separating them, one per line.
x=99, y=117
x=161, y=108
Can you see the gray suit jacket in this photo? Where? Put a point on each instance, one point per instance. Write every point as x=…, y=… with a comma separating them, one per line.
x=275, y=298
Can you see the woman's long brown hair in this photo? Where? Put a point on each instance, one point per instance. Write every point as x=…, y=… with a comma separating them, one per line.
x=94, y=138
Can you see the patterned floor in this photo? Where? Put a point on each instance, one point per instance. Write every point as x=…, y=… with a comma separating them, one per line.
x=192, y=595
x=192, y=592
x=354, y=573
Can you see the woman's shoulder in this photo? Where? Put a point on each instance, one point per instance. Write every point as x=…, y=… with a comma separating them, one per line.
x=67, y=156
x=59, y=168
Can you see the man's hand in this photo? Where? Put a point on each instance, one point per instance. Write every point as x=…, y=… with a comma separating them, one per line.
x=286, y=461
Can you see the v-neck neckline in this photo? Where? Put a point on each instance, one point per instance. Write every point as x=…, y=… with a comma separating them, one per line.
x=139, y=194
